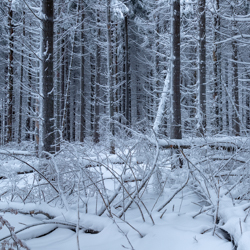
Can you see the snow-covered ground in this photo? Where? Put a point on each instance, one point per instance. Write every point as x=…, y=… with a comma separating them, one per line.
x=176, y=230
x=205, y=205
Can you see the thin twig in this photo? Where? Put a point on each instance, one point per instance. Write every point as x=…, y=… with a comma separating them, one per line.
x=129, y=225
x=34, y=170
x=177, y=191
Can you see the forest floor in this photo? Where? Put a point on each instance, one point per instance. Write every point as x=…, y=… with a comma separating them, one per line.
x=190, y=208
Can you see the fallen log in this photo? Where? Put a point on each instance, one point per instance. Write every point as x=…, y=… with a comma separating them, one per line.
x=17, y=152
x=230, y=144
x=63, y=224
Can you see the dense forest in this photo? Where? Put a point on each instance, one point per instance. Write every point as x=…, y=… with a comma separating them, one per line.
x=91, y=69
x=119, y=111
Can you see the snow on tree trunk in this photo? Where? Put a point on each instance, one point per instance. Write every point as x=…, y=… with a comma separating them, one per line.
x=202, y=67
x=235, y=87
x=162, y=104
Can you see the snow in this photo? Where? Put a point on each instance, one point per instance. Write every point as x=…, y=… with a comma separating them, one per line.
x=186, y=222
x=175, y=231
x=168, y=231
x=161, y=106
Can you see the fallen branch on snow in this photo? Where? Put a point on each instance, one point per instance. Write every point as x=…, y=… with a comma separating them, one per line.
x=63, y=224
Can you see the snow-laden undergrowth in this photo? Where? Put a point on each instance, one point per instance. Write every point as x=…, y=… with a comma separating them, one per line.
x=84, y=198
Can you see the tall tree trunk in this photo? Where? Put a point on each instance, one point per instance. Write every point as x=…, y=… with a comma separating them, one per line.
x=92, y=92
x=10, y=100
x=97, y=83
x=236, y=120
x=21, y=87
x=73, y=109
x=235, y=87
x=47, y=75
x=202, y=66
x=176, y=132
x=62, y=73
x=216, y=64
x=127, y=87
x=82, y=83
x=110, y=81
x=57, y=93
x=68, y=69
x=29, y=105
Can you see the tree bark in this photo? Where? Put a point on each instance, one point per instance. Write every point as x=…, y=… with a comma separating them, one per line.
x=47, y=75
x=236, y=120
x=92, y=91
x=127, y=92
x=10, y=99
x=109, y=79
x=235, y=87
x=21, y=87
x=202, y=66
x=29, y=107
x=176, y=132
x=216, y=64
x=82, y=83
x=97, y=84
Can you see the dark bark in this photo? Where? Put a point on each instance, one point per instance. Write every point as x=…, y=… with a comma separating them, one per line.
x=127, y=87
x=97, y=84
x=216, y=65
x=92, y=90
x=21, y=88
x=176, y=132
x=235, y=87
x=47, y=75
x=236, y=120
x=58, y=91
x=10, y=98
x=202, y=65
x=82, y=83
x=62, y=76
x=110, y=80
x=29, y=107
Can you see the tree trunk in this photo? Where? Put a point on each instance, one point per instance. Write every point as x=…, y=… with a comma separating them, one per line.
x=109, y=83
x=47, y=76
x=57, y=93
x=21, y=88
x=10, y=76
x=97, y=83
x=127, y=91
x=29, y=107
x=236, y=120
x=92, y=91
x=82, y=83
x=216, y=63
x=235, y=87
x=202, y=66
x=176, y=132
